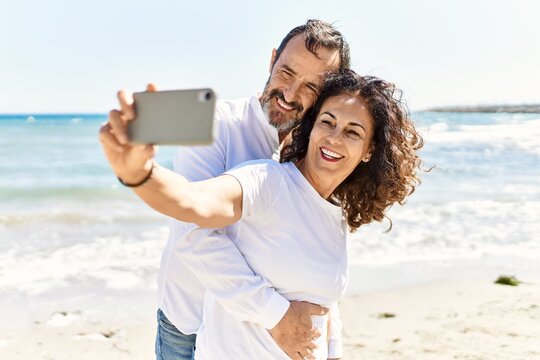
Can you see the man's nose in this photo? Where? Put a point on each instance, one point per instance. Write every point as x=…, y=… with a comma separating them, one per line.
x=291, y=92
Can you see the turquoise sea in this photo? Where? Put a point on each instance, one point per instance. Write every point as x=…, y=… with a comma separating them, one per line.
x=67, y=226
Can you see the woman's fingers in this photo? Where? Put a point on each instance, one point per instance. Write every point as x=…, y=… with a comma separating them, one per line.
x=149, y=150
x=108, y=139
x=120, y=118
x=119, y=126
x=126, y=104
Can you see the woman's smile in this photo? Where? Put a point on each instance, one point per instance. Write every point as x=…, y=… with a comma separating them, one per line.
x=330, y=155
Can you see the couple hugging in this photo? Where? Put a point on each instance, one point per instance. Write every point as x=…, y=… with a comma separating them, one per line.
x=257, y=254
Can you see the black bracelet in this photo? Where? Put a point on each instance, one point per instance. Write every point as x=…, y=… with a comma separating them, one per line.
x=142, y=182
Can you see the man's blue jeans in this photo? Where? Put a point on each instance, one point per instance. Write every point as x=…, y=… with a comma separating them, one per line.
x=171, y=344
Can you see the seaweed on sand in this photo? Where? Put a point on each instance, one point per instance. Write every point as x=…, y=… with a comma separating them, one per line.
x=507, y=280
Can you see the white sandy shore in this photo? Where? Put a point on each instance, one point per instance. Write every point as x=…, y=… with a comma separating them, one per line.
x=451, y=320
x=444, y=320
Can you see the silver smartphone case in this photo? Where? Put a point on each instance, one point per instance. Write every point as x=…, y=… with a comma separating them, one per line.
x=176, y=117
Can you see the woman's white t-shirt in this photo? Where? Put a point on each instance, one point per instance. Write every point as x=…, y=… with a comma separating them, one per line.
x=290, y=236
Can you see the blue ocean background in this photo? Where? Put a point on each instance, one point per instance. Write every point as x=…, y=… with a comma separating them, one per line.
x=68, y=227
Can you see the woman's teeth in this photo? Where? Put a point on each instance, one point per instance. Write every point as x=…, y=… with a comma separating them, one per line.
x=331, y=154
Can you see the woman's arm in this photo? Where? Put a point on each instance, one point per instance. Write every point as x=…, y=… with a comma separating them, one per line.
x=212, y=203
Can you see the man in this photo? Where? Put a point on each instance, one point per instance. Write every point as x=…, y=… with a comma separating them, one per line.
x=197, y=260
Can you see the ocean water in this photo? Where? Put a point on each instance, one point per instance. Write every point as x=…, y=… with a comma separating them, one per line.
x=481, y=198
x=67, y=227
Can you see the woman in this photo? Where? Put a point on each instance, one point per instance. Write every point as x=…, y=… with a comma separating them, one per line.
x=352, y=157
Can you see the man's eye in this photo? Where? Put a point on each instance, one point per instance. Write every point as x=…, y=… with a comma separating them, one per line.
x=313, y=89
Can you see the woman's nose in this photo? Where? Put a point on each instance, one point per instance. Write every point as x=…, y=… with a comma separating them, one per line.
x=334, y=137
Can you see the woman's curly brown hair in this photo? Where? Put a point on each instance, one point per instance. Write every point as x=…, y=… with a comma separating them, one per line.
x=391, y=173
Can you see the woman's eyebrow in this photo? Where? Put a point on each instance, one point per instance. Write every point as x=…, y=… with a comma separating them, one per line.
x=357, y=124
x=329, y=114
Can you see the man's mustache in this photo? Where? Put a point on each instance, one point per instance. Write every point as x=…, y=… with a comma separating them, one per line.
x=278, y=94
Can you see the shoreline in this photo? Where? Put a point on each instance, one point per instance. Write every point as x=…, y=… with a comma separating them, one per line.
x=511, y=109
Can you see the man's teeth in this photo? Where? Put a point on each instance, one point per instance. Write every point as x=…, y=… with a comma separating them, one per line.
x=331, y=154
x=284, y=105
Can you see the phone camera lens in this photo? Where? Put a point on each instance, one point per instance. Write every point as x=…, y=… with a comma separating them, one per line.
x=205, y=96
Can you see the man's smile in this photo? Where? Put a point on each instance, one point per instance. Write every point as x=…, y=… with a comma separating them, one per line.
x=284, y=105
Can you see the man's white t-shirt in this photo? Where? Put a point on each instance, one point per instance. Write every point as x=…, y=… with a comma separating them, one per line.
x=290, y=236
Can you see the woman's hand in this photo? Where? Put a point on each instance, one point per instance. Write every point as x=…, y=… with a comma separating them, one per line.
x=130, y=162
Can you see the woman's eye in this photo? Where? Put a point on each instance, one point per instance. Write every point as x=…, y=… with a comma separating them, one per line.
x=353, y=134
x=326, y=122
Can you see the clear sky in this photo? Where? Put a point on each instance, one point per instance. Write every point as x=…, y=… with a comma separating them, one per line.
x=72, y=56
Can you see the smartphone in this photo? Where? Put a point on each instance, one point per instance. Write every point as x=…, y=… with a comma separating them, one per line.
x=175, y=117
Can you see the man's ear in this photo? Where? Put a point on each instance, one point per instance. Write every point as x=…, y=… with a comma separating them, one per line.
x=272, y=60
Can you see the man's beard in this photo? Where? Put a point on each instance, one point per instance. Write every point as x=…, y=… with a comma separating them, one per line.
x=276, y=118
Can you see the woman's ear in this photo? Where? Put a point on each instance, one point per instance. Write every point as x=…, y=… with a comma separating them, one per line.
x=369, y=153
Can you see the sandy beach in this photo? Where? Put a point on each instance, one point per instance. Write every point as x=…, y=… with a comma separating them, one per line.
x=443, y=320
x=452, y=320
